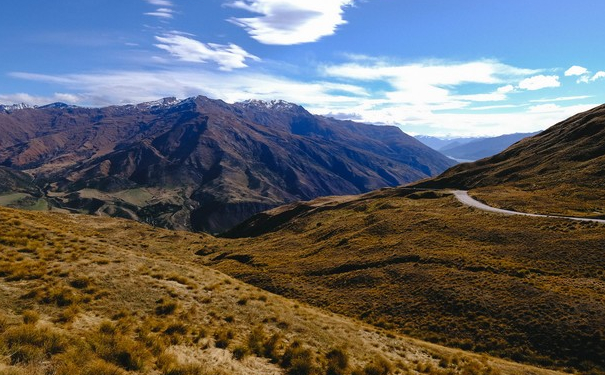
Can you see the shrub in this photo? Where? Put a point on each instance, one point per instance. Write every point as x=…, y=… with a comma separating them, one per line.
x=262, y=346
x=338, y=362
x=256, y=339
x=169, y=365
x=298, y=360
x=30, y=317
x=166, y=307
x=240, y=352
x=27, y=343
x=80, y=282
x=380, y=366
x=109, y=344
x=69, y=314
x=100, y=367
x=222, y=337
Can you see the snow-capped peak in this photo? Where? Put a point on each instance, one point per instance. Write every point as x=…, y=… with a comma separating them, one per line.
x=272, y=104
x=14, y=107
x=162, y=103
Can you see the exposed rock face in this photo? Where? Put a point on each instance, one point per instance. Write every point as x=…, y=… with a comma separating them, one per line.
x=203, y=164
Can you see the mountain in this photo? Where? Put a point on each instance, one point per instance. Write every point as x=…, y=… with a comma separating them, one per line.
x=558, y=171
x=437, y=143
x=483, y=147
x=203, y=164
x=471, y=149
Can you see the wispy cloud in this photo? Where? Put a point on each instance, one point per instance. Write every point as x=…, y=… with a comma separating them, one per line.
x=287, y=22
x=576, y=71
x=138, y=86
x=428, y=98
x=164, y=11
x=227, y=57
x=539, y=82
x=561, y=99
x=160, y=3
x=40, y=100
x=432, y=83
x=598, y=75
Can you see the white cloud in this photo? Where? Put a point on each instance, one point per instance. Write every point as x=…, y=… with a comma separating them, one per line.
x=432, y=83
x=122, y=87
x=575, y=71
x=39, y=100
x=228, y=57
x=160, y=3
x=490, y=107
x=544, y=108
x=598, y=75
x=162, y=13
x=561, y=99
x=287, y=22
x=539, y=82
x=420, y=98
x=506, y=89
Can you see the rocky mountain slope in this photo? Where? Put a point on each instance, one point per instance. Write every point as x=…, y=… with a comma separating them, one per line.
x=203, y=164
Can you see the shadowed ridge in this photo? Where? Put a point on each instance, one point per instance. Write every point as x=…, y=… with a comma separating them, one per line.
x=203, y=164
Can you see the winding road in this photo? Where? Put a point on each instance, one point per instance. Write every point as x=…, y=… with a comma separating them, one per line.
x=464, y=198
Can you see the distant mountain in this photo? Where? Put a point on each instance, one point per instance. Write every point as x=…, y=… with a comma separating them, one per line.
x=482, y=147
x=203, y=164
x=465, y=149
x=437, y=143
x=572, y=152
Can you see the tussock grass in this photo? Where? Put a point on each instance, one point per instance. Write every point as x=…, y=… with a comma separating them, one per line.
x=529, y=289
x=85, y=316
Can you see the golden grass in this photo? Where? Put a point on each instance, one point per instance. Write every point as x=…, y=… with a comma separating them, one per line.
x=529, y=289
x=152, y=308
x=563, y=200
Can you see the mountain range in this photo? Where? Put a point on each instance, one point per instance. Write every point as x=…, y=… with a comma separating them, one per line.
x=475, y=148
x=202, y=164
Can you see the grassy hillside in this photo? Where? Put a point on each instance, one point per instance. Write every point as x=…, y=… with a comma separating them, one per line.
x=559, y=171
x=529, y=289
x=86, y=295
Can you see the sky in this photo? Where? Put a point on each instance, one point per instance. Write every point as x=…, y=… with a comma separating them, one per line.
x=432, y=67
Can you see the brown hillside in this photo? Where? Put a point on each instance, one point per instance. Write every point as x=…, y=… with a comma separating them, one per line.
x=559, y=171
x=81, y=295
x=525, y=288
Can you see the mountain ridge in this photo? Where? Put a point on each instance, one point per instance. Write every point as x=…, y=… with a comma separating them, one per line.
x=220, y=162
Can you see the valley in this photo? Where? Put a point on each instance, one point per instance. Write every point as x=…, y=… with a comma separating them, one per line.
x=356, y=277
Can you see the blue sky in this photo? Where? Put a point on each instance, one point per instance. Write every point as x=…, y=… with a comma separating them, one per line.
x=437, y=67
